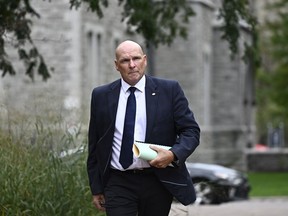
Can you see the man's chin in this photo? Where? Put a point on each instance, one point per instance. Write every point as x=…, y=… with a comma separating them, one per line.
x=134, y=79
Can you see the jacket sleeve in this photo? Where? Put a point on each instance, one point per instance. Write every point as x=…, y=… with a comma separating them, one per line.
x=92, y=167
x=188, y=131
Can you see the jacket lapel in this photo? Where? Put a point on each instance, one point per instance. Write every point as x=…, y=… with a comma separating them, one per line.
x=113, y=97
x=151, y=94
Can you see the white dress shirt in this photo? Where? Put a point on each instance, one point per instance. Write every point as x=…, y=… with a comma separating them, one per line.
x=140, y=123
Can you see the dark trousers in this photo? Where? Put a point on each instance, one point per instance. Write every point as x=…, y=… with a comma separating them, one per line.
x=131, y=194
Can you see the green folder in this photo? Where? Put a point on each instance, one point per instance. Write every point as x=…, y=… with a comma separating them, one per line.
x=143, y=151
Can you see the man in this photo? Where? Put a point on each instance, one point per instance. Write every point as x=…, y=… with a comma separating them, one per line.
x=125, y=187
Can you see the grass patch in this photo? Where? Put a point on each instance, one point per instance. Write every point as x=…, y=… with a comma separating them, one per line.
x=268, y=184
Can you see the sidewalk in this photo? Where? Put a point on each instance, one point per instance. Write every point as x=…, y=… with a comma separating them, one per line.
x=276, y=206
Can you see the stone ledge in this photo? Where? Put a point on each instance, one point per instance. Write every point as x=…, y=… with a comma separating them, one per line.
x=270, y=160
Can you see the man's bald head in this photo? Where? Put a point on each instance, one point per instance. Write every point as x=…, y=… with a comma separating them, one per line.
x=126, y=46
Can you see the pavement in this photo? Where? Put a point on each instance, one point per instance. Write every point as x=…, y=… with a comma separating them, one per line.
x=276, y=206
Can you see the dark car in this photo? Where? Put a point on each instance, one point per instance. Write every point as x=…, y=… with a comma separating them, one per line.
x=215, y=184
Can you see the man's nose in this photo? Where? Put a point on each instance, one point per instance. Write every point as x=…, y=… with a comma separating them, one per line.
x=131, y=63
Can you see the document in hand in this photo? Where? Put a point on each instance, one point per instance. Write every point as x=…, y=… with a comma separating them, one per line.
x=143, y=151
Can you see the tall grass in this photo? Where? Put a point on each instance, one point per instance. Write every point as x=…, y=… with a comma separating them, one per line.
x=33, y=181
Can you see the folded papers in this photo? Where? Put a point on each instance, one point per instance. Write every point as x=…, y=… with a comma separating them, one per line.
x=143, y=151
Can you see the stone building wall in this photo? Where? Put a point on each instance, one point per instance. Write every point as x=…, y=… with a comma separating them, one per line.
x=52, y=35
x=80, y=47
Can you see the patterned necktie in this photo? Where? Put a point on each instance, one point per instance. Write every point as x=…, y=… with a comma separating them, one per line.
x=126, y=154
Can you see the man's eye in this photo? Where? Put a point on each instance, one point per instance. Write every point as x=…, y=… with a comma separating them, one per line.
x=125, y=61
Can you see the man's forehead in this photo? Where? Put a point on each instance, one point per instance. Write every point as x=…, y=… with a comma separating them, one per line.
x=128, y=55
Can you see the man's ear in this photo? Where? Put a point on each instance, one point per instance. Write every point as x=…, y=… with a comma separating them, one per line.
x=116, y=66
x=145, y=60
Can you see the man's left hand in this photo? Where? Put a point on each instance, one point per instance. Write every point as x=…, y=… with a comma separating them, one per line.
x=163, y=159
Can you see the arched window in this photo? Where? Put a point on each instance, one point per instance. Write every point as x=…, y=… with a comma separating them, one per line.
x=93, y=57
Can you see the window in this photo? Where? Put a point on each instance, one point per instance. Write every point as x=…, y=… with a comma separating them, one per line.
x=93, y=57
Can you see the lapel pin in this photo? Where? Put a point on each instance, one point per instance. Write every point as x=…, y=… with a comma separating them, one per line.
x=153, y=93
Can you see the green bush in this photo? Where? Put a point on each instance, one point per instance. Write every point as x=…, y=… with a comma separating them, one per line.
x=35, y=182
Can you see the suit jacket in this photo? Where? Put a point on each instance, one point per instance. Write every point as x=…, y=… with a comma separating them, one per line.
x=169, y=122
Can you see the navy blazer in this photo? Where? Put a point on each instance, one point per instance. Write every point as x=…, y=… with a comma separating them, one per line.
x=169, y=122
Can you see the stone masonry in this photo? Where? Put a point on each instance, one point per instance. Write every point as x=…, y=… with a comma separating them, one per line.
x=80, y=48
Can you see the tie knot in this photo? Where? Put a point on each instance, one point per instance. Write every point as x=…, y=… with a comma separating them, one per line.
x=132, y=89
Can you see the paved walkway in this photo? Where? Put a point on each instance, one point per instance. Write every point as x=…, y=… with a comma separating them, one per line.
x=276, y=206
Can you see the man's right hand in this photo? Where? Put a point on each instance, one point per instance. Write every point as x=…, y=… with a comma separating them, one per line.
x=99, y=202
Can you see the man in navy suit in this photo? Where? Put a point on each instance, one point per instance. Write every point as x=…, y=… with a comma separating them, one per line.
x=163, y=117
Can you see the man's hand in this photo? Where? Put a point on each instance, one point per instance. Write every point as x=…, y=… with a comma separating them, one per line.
x=163, y=159
x=99, y=202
